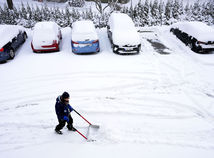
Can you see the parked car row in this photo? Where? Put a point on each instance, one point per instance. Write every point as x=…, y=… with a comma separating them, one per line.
x=121, y=31
x=197, y=35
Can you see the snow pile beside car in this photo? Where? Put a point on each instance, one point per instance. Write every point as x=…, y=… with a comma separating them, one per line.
x=8, y=32
x=196, y=29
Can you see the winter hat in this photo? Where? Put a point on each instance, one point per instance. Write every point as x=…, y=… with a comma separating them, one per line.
x=65, y=95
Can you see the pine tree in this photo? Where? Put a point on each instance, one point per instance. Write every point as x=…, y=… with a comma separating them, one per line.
x=196, y=11
x=8, y=16
x=161, y=12
x=210, y=12
x=23, y=12
x=187, y=12
x=45, y=11
x=175, y=10
x=146, y=13
x=75, y=15
x=138, y=13
x=168, y=12
x=37, y=14
x=1, y=16
x=155, y=13
x=68, y=20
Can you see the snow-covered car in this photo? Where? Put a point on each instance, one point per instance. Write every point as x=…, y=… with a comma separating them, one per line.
x=84, y=38
x=197, y=35
x=12, y=37
x=123, y=35
x=46, y=37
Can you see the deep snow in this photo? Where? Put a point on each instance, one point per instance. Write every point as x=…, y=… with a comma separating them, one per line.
x=148, y=105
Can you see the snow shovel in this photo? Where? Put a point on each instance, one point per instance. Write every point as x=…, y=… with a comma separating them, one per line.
x=90, y=125
x=88, y=140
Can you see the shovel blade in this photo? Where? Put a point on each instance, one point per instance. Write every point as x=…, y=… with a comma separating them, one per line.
x=91, y=140
x=95, y=126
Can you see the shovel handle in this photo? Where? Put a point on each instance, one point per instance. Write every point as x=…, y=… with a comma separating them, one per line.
x=82, y=117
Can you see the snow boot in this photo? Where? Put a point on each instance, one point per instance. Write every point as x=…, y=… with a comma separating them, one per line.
x=71, y=128
x=58, y=131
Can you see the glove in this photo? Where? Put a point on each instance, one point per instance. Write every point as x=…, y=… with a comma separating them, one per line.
x=66, y=118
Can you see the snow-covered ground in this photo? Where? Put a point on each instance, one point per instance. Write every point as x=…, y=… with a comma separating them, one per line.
x=159, y=103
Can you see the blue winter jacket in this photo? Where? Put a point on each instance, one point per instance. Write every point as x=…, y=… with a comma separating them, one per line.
x=62, y=109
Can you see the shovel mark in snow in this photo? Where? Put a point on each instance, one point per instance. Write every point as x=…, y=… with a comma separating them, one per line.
x=26, y=105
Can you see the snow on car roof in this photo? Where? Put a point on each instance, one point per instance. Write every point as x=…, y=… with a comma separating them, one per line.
x=83, y=26
x=45, y=31
x=120, y=21
x=199, y=30
x=8, y=32
x=83, y=30
x=46, y=24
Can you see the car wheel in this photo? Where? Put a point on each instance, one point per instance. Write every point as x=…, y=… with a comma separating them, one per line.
x=11, y=53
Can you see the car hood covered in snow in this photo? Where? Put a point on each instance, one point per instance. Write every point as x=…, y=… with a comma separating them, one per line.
x=8, y=32
x=199, y=30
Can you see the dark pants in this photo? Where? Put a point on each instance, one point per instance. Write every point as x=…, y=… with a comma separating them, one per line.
x=62, y=124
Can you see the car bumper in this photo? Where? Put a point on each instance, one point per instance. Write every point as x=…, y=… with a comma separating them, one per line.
x=45, y=48
x=126, y=50
x=205, y=48
x=93, y=48
x=4, y=56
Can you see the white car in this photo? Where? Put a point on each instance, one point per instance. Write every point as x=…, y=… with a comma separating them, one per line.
x=84, y=38
x=197, y=35
x=123, y=35
x=46, y=37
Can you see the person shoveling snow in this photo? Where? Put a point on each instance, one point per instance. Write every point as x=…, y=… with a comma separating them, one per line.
x=63, y=110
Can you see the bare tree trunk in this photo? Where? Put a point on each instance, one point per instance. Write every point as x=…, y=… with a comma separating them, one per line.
x=10, y=4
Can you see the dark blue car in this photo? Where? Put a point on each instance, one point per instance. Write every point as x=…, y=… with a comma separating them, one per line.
x=12, y=37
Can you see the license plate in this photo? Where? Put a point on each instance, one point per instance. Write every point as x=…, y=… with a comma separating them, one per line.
x=85, y=45
x=129, y=49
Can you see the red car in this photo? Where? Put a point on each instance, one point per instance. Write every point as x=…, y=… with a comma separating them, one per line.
x=46, y=37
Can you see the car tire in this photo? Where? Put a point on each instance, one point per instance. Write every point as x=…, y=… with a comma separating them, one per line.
x=25, y=37
x=11, y=54
x=190, y=45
